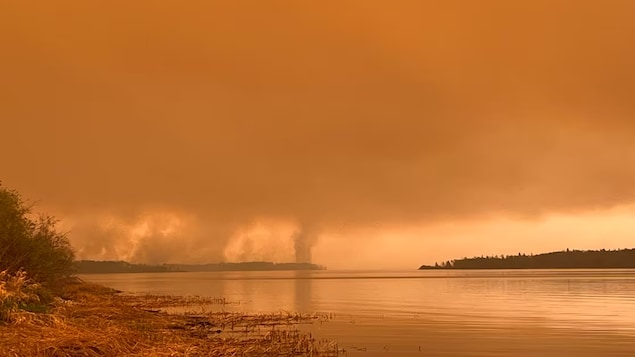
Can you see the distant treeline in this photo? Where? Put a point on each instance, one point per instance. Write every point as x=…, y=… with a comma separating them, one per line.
x=102, y=267
x=97, y=267
x=568, y=259
x=245, y=266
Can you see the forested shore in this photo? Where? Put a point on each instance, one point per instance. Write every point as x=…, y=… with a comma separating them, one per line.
x=567, y=259
x=106, y=267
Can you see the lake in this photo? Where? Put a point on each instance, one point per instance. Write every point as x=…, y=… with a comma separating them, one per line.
x=431, y=312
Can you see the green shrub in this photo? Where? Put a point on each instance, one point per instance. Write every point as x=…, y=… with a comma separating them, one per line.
x=32, y=244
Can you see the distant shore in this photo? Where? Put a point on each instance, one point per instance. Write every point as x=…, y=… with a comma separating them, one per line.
x=568, y=259
x=105, y=267
x=91, y=320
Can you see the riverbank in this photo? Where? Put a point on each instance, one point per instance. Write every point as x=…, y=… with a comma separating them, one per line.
x=91, y=320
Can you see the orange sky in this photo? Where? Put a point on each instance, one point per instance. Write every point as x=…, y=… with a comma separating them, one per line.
x=389, y=134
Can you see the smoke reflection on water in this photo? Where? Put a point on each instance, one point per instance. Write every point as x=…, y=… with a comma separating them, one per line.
x=510, y=312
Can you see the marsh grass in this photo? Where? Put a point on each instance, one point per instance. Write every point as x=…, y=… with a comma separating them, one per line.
x=169, y=301
x=95, y=321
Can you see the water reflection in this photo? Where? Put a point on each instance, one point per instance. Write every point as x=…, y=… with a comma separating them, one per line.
x=303, y=296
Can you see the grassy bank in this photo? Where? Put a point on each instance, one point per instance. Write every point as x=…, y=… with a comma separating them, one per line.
x=90, y=320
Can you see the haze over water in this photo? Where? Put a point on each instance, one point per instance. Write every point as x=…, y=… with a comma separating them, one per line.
x=478, y=312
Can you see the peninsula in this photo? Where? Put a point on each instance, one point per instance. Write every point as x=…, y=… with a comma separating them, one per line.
x=567, y=259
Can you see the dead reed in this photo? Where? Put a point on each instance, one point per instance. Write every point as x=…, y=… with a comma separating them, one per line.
x=16, y=293
x=96, y=321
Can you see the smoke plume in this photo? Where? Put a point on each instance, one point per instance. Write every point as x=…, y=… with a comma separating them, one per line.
x=303, y=240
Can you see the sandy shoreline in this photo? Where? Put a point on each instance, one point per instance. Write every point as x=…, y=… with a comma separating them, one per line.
x=97, y=321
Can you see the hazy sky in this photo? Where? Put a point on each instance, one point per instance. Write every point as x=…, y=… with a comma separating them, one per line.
x=384, y=134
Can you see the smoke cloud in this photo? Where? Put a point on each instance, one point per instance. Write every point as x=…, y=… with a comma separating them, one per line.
x=160, y=133
x=303, y=240
x=155, y=238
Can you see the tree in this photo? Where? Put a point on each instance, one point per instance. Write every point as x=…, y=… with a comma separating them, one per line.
x=31, y=243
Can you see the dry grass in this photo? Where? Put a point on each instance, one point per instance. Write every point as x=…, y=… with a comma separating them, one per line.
x=16, y=292
x=95, y=321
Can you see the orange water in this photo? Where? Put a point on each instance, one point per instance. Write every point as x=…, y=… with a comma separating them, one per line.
x=416, y=313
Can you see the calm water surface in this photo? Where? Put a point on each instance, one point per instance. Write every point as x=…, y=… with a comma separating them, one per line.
x=416, y=313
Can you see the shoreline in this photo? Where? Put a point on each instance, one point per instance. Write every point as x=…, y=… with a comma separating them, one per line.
x=92, y=320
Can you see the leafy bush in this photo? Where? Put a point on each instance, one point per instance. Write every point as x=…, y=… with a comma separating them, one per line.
x=31, y=244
